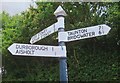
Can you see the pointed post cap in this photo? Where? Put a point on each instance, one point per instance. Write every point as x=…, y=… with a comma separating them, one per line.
x=60, y=12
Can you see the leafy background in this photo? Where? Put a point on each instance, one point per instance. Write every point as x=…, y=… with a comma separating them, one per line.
x=94, y=59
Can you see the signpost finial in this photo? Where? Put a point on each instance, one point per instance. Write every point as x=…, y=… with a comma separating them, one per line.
x=60, y=11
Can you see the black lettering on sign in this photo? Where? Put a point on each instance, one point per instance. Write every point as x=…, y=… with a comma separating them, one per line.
x=33, y=51
x=84, y=35
x=44, y=48
x=24, y=51
x=36, y=47
x=20, y=52
x=23, y=47
x=101, y=30
x=52, y=49
x=43, y=33
x=77, y=32
x=93, y=33
x=36, y=37
x=90, y=34
x=17, y=46
x=69, y=33
x=83, y=31
x=17, y=52
x=32, y=47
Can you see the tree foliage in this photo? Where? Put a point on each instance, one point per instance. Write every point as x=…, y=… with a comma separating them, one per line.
x=93, y=59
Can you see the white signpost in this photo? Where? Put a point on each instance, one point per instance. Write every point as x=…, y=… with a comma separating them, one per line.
x=37, y=50
x=83, y=33
x=57, y=51
x=44, y=33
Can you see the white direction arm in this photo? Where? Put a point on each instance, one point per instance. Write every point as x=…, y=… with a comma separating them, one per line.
x=44, y=33
x=37, y=50
x=83, y=33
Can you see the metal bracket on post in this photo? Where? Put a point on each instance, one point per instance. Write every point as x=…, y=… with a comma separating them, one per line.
x=60, y=13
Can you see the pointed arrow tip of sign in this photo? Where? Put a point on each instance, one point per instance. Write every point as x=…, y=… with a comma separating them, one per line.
x=107, y=28
x=60, y=11
x=8, y=48
x=11, y=48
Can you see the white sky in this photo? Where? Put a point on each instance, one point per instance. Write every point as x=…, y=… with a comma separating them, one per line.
x=15, y=6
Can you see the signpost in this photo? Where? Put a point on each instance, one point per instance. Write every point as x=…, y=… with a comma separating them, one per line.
x=44, y=33
x=57, y=51
x=37, y=50
x=60, y=13
x=83, y=33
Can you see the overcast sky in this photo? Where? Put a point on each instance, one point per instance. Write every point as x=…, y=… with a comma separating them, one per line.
x=15, y=6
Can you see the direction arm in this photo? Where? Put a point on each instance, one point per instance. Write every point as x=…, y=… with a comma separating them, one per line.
x=83, y=33
x=44, y=33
